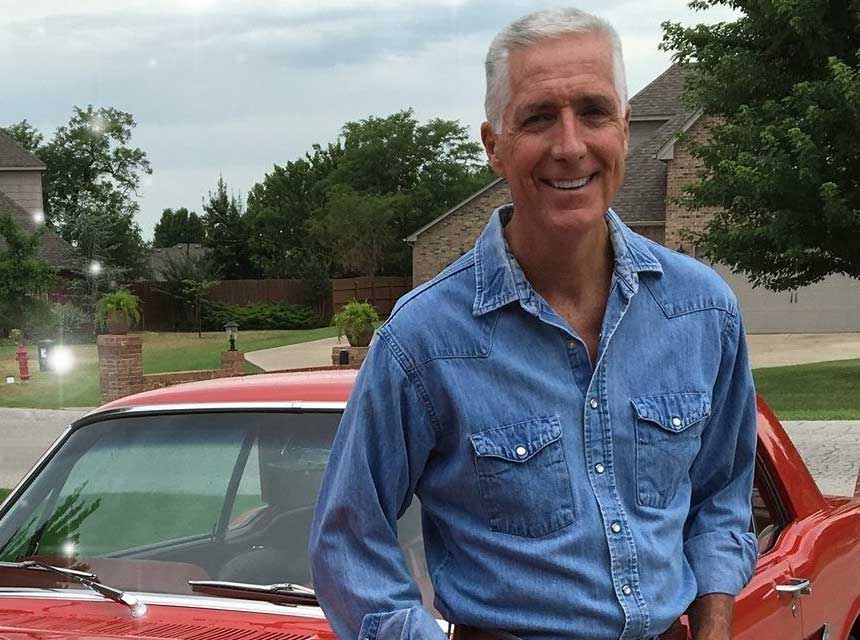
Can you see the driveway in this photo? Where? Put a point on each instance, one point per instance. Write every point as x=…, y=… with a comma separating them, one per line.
x=26, y=434
x=316, y=353
x=781, y=349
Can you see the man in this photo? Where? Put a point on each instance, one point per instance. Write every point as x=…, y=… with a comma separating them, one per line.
x=571, y=403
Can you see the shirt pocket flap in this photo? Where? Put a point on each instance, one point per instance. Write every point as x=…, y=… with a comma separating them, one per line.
x=674, y=412
x=517, y=442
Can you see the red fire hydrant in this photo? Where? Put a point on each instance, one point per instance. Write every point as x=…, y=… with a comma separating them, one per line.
x=21, y=357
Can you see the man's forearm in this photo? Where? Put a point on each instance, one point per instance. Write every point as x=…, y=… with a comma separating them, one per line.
x=711, y=617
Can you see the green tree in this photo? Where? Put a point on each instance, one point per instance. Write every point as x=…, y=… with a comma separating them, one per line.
x=189, y=279
x=26, y=135
x=357, y=228
x=178, y=226
x=91, y=181
x=429, y=167
x=227, y=234
x=781, y=85
x=23, y=274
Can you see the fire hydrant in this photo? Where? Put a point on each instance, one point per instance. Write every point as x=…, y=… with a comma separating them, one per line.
x=21, y=357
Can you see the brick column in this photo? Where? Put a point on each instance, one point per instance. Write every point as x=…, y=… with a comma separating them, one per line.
x=355, y=355
x=120, y=365
x=231, y=362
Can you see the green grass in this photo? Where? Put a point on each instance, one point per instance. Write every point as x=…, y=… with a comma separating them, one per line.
x=818, y=391
x=162, y=352
x=4, y=493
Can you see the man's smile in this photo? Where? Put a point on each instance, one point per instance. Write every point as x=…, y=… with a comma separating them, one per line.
x=569, y=184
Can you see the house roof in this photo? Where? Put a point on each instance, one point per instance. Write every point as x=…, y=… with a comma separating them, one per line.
x=55, y=251
x=14, y=156
x=661, y=97
x=642, y=197
x=160, y=257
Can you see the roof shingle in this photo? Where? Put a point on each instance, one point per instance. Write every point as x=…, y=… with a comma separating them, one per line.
x=14, y=155
x=661, y=97
x=55, y=251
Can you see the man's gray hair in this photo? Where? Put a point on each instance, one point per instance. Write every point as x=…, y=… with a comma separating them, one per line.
x=534, y=28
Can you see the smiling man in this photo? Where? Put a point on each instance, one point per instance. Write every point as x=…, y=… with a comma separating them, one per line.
x=571, y=403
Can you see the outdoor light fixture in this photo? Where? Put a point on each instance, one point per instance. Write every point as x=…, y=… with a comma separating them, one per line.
x=95, y=268
x=39, y=217
x=232, y=329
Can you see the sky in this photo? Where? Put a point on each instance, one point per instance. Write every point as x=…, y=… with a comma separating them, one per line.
x=235, y=87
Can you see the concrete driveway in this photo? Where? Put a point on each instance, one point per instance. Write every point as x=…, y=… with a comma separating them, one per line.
x=316, y=353
x=781, y=349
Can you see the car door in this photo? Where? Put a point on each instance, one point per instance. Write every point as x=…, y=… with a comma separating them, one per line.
x=770, y=606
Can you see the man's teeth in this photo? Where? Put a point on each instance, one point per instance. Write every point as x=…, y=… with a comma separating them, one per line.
x=570, y=184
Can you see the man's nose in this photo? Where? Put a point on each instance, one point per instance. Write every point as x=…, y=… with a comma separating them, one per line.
x=569, y=143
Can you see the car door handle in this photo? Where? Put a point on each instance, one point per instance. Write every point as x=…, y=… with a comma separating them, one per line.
x=796, y=586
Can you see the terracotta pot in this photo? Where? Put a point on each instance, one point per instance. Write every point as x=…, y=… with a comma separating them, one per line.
x=362, y=337
x=117, y=323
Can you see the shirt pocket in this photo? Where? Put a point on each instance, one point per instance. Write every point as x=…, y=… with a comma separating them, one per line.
x=523, y=477
x=668, y=438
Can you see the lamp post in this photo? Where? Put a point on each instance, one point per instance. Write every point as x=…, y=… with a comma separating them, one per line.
x=232, y=329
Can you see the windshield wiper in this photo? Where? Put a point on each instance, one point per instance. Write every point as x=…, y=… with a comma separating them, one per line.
x=90, y=580
x=279, y=593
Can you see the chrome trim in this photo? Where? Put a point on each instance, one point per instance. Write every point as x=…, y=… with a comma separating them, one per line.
x=216, y=406
x=169, y=600
x=23, y=482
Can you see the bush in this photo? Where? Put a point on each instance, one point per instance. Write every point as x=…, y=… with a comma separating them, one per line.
x=68, y=320
x=258, y=316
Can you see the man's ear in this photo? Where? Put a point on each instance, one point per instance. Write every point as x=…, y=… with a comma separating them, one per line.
x=490, y=140
x=626, y=129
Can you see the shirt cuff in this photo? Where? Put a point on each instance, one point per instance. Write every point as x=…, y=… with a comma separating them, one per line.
x=415, y=623
x=722, y=561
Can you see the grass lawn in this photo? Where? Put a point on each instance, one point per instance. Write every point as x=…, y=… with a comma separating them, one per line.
x=4, y=493
x=162, y=352
x=818, y=391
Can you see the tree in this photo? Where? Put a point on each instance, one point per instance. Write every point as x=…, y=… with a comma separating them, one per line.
x=26, y=135
x=178, y=226
x=781, y=85
x=227, y=234
x=358, y=229
x=428, y=167
x=189, y=279
x=92, y=178
x=22, y=272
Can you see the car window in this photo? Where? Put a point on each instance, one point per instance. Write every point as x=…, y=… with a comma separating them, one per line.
x=768, y=513
x=149, y=502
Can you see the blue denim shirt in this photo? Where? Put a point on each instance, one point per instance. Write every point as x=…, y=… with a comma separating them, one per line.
x=558, y=500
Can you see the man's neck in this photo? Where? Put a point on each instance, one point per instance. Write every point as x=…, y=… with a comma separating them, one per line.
x=569, y=269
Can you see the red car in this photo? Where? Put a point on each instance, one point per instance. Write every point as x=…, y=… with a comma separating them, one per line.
x=184, y=513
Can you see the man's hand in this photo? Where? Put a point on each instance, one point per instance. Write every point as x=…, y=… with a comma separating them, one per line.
x=711, y=617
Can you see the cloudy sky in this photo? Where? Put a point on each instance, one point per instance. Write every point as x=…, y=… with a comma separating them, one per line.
x=234, y=87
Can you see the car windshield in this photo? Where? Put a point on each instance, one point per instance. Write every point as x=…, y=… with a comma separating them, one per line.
x=149, y=502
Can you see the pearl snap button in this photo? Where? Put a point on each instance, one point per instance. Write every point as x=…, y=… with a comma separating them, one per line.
x=593, y=403
x=522, y=451
x=676, y=422
x=626, y=590
x=599, y=468
x=616, y=528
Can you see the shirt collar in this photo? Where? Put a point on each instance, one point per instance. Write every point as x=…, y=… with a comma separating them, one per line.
x=499, y=280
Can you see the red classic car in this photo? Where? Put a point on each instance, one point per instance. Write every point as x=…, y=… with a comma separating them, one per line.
x=183, y=513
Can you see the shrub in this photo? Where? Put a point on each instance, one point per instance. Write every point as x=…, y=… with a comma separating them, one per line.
x=68, y=320
x=258, y=316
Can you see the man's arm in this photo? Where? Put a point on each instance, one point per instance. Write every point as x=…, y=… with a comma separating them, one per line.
x=359, y=573
x=718, y=544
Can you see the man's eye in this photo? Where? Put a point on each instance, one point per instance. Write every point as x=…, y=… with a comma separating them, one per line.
x=537, y=119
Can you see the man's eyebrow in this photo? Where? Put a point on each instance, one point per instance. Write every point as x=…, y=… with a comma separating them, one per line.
x=535, y=107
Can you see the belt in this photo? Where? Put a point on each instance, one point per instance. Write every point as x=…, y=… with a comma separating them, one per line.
x=677, y=631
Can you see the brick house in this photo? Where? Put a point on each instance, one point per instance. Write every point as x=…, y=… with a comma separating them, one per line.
x=21, y=197
x=657, y=169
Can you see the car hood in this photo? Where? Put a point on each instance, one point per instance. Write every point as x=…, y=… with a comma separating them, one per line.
x=49, y=617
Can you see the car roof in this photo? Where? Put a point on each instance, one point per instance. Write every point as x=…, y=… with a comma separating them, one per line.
x=327, y=385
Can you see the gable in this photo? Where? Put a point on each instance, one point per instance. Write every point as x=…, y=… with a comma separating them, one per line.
x=14, y=156
x=54, y=250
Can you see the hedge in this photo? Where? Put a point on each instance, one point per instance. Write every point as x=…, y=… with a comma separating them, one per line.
x=259, y=316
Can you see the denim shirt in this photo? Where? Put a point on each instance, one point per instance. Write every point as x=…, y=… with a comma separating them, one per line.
x=558, y=500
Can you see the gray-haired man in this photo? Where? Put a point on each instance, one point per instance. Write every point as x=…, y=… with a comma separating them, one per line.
x=571, y=402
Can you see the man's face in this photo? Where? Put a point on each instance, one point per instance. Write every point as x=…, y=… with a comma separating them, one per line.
x=564, y=137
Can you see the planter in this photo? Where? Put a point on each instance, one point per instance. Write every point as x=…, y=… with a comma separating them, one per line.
x=360, y=337
x=117, y=323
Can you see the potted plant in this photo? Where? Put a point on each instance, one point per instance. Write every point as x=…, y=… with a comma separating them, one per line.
x=116, y=310
x=355, y=320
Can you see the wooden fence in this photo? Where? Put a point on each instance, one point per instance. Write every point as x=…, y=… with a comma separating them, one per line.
x=161, y=312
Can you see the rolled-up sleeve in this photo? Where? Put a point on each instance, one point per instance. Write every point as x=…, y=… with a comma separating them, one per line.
x=382, y=445
x=718, y=545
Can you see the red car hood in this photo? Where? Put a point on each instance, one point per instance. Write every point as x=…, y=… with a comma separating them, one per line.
x=27, y=618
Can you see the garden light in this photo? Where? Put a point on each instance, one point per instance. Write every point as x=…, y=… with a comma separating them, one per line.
x=232, y=329
x=61, y=360
x=95, y=268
